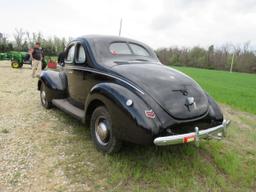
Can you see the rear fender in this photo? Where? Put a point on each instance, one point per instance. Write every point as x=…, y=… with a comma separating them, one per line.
x=214, y=110
x=128, y=122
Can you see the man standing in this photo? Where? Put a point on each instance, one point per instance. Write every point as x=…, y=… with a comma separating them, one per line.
x=37, y=56
x=61, y=58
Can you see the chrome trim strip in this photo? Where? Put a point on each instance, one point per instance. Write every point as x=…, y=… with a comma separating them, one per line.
x=109, y=75
x=207, y=133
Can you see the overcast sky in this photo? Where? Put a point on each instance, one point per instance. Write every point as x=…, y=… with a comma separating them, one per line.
x=159, y=23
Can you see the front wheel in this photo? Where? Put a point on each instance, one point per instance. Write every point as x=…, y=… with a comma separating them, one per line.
x=43, y=96
x=102, y=133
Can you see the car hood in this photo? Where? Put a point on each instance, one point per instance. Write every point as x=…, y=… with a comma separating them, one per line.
x=174, y=91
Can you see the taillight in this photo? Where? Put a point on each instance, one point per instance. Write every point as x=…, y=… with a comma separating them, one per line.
x=150, y=114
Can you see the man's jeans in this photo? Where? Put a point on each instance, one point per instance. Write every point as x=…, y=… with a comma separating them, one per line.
x=36, y=68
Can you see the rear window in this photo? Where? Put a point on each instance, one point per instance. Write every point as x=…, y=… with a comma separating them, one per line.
x=122, y=48
x=139, y=50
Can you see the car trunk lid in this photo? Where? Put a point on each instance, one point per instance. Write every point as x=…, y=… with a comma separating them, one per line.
x=174, y=91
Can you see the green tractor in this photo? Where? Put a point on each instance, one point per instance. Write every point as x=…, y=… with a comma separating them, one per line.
x=4, y=56
x=18, y=59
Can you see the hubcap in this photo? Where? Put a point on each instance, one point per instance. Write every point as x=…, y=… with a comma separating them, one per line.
x=15, y=65
x=43, y=97
x=102, y=131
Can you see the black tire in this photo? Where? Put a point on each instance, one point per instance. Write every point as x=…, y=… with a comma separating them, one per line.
x=43, y=97
x=106, y=143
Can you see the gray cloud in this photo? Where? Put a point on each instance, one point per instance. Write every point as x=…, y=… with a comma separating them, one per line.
x=156, y=22
x=163, y=22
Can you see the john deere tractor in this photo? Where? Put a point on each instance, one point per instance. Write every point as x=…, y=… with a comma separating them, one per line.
x=18, y=59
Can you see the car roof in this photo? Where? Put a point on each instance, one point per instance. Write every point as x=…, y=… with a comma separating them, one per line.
x=99, y=45
x=109, y=38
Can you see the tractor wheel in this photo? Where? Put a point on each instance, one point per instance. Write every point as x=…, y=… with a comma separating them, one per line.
x=15, y=64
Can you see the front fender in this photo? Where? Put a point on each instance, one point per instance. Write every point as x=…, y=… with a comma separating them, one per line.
x=129, y=122
x=56, y=84
x=54, y=80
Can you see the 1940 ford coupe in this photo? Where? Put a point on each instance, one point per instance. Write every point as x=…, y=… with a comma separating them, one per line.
x=119, y=88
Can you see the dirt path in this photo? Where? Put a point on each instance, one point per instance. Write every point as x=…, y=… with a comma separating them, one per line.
x=34, y=141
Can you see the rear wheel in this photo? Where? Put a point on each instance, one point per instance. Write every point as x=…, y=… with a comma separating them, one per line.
x=15, y=64
x=102, y=133
x=43, y=96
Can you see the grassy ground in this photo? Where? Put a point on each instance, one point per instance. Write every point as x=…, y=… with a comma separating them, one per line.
x=47, y=150
x=235, y=89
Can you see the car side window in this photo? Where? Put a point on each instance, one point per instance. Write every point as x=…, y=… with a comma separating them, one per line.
x=81, y=55
x=71, y=54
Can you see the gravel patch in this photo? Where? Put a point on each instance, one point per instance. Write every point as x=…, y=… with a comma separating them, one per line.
x=27, y=160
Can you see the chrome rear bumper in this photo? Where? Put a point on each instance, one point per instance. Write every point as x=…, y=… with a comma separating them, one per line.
x=217, y=132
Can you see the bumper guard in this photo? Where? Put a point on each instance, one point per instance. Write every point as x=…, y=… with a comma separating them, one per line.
x=217, y=132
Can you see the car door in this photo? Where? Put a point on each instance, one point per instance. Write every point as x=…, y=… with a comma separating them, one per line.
x=75, y=69
x=80, y=84
x=69, y=71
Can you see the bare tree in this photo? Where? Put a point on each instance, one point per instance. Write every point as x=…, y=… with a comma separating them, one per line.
x=19, y=38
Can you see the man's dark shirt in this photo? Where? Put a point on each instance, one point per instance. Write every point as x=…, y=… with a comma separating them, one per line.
x=37, y=53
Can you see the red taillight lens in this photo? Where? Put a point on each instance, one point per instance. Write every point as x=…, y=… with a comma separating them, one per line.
x=150, y=114
x=189, y=139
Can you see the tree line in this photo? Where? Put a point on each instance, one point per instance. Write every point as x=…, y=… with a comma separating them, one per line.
x=23, y=40
x=242, y=57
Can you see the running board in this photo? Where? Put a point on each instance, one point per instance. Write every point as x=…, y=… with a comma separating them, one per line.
x=67, y=107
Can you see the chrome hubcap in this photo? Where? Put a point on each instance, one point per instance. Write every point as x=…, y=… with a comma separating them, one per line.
x=102, y=131
x=43, y=97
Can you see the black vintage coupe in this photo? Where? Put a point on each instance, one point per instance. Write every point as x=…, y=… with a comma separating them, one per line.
x=119, y=88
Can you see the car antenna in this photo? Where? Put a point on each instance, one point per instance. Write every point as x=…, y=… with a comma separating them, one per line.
x=120, y=26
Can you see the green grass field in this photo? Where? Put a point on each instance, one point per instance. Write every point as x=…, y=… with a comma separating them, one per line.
x=228, y=165
x=235, y=89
